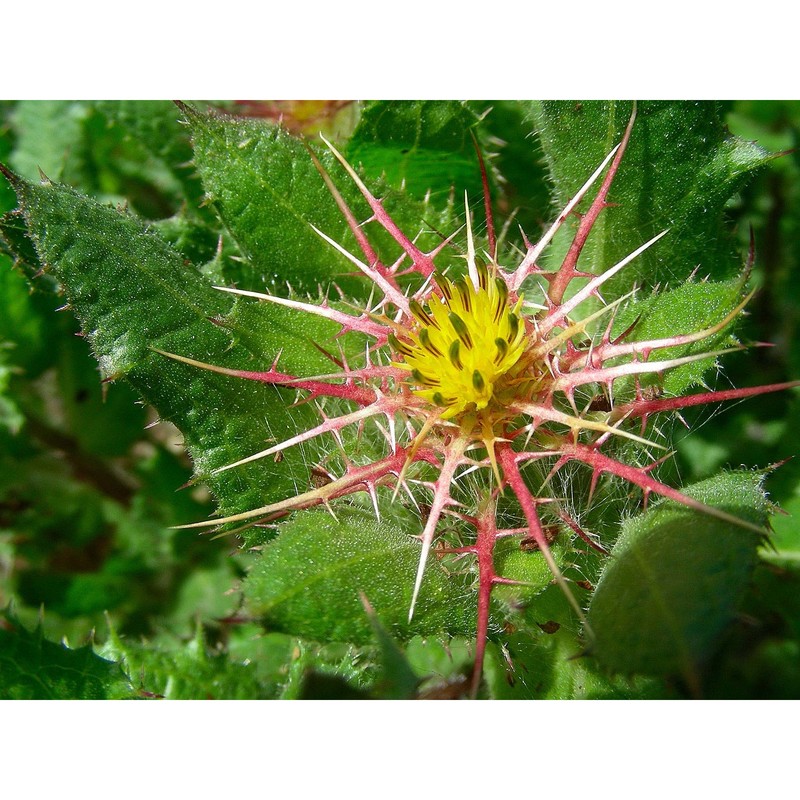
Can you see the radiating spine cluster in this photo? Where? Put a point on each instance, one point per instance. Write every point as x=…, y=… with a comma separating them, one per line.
x=478, y=382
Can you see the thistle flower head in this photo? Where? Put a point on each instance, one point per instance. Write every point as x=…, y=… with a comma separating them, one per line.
x=467, y=375
x=466, y=350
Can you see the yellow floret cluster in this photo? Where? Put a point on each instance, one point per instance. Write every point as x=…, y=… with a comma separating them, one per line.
x=467, y=345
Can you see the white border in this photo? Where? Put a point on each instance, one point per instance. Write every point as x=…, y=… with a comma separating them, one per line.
x=414, y=49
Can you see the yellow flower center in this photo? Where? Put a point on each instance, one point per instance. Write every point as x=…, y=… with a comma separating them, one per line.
x=466, y=345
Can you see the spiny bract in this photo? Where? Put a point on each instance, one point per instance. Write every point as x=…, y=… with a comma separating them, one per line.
x=469, y=374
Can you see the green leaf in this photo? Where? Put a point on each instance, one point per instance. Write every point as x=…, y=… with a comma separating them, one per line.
x=131, y=150
x=397, y=680
x=522, y=185
x=761, y=657
x=32, y=668
x=546, y=667
x=786, y=538
x=132, y=292
x=16, y=244
x=680, y=168
x=199, y=243
x=524, y=562
x=423, y=145
x=192, y=670
x=309, y=580
x=156, y=126
x=268, y=193
x=48, y=132
x=688, y=308
x=675, y=578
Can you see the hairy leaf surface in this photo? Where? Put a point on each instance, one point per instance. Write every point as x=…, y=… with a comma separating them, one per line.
x=680, y=169
x=674, y=579
x=310, y=578
x=33, y=668
x=132, y=292
x=423, y=145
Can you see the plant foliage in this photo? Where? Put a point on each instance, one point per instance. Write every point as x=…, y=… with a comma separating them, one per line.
x=119, y=220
